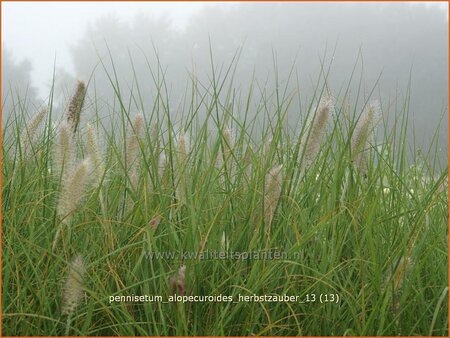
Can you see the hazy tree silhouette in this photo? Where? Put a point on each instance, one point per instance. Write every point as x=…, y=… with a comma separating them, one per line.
x=405, y=44
x=18, y=94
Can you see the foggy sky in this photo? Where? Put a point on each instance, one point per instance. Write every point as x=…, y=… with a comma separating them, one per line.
x=43, y=32
x=382, y=39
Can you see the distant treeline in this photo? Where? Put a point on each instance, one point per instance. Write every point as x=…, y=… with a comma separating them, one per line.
x=395, y=53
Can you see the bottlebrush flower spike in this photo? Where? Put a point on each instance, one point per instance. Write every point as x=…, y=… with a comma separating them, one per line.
x=64, y=150
x=135, y=133
x=273, y=184
x=162, y=164
x=73, y=189
x=182, y=149
x=73, y=291
x=314, y=136
x=361, y=134
x=28, y=138
x=75, y=106
x=94, y=154
x=177, y=282
x=228, y=144
x=181, y=170
x=133, y=149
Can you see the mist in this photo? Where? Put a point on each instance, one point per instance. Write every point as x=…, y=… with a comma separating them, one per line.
x=395, y=53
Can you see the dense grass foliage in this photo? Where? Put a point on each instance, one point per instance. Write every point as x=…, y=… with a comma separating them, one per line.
x=134, y=206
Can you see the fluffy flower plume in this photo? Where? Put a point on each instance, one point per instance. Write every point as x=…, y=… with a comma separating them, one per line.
x=182, y=149
x=94, y=154
x=228, y=144
x=162, y=164
x=361, y=134
x=73, y=291
x=135, y=133
x=267, y=146
x=73, y=189
x=181, y=171
x=177, y=282
x=314, y=136
x=272, y=192
x=133, y=151
x=75, y=106
x=28, y=137
x=64, y=150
